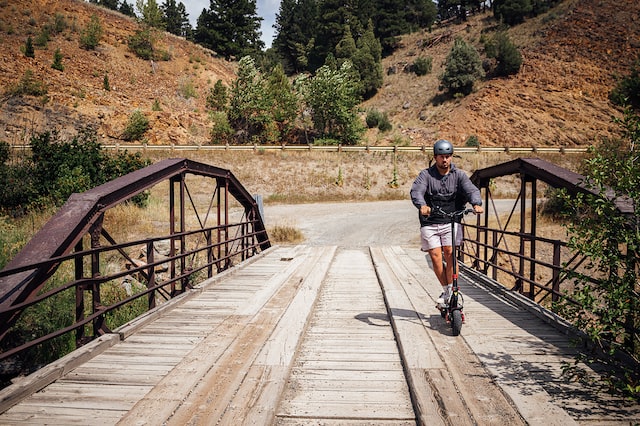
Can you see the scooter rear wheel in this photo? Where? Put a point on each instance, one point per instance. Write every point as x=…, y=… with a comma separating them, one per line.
x=456, y=322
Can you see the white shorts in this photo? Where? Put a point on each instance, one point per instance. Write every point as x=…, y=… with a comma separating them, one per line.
x=439, y=235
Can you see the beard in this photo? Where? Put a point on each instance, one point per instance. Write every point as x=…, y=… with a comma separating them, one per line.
x=444, y=168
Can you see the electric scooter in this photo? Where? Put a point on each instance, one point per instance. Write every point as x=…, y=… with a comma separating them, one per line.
x=452, y=310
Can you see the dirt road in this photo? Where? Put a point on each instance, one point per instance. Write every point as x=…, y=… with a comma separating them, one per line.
x=349, y=224
x=355, y=224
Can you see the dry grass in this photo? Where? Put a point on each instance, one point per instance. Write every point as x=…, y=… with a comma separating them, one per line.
x=285, y=234
x=308, y=177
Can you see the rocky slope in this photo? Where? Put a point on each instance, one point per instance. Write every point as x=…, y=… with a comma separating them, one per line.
x=571, y=55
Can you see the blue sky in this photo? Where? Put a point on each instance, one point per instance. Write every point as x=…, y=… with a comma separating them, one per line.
x=267, y=9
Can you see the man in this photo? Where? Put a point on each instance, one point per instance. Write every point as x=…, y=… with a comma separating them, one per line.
x=442, y=186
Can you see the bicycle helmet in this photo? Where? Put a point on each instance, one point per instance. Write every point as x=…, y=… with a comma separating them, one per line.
x=442, y=146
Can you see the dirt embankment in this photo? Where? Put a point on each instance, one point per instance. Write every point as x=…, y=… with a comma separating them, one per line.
x=571, y=55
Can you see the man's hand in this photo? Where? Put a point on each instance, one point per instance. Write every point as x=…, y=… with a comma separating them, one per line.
x=425, y=210
x=478, y=209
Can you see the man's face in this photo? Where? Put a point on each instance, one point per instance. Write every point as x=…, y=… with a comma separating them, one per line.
x=443, y=161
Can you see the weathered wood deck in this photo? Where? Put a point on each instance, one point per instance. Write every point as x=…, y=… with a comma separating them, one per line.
x=320, y=335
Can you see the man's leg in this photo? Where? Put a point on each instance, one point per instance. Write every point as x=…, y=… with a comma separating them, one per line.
x=448, y=258
x=438, y=267
x=444, y=274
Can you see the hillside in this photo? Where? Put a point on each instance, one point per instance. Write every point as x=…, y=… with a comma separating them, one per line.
x=559, y=98
x=77, y=97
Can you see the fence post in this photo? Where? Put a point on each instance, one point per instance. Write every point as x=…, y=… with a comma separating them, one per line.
x=556, y=272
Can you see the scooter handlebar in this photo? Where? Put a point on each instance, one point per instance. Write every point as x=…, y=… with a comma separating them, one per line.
x=459, y=213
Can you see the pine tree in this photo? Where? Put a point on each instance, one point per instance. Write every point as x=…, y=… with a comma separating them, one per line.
x=368, y=61
x=511, y=12
x=126, y=9
x=57, y=61
x=295, y=31
x=230, y=28
x=91, y=34
x=346, y=48
x=151, y=13
x=175, y=18
x=285, y=103
x=218, y=97
x=333, y=16
x=28, y=48
x=250, y=106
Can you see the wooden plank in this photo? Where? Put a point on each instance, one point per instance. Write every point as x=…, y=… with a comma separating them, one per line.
x=219, y=362
x=257, y=397
x=386, y=381
x=464, y=390
x=297, y=421
x=18, y=391
x=55, y=416
x=153, y=361
x=348, y=358
x=416, y=347
x=321, y=410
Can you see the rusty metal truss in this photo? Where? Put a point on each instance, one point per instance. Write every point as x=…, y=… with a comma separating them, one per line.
x=76, y=250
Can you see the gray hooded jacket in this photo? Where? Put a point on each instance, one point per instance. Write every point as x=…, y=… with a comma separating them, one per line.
x=449, y=192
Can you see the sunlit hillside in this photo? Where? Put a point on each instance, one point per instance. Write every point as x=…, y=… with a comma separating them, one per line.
x=571, y=57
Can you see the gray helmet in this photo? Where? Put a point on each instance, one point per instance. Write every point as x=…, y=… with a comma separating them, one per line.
x=442, y=146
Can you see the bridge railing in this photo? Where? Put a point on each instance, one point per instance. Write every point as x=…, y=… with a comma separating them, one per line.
x=80, y=283
x=503, y=256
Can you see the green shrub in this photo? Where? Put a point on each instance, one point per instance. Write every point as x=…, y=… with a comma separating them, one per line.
x=29, y=52
x=627, y=89
x=58, y=168
x=218, y=97
x=42, y=39
x=221, y=131
x=28, y=85
x=422, y=66
x=141, y=43
x=137, y=126
x=385, y=125
x=462, y=68
x=91, y=34
x=58, y=25
x=187, y=89
x=508, y=58
x=378, y=119
x=373, y=118
x=105, y=82
x=57, y=61
x=472, y=141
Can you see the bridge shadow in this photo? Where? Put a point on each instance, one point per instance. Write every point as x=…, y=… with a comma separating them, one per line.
x=544, y=357
x=383, y=320
x=584, y=397
x=433, y=321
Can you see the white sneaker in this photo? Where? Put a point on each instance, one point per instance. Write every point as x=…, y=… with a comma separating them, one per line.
x=442, y=301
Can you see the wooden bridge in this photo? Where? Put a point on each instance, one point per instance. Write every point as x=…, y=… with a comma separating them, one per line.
x=322, y=335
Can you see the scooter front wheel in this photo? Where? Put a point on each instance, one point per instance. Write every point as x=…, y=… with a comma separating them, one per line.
x=456, y=321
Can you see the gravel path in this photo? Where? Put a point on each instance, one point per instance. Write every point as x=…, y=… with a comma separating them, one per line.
x=350, y=224
x=355, y=224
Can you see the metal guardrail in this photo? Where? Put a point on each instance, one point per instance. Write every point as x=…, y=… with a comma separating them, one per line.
x=334, y=148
